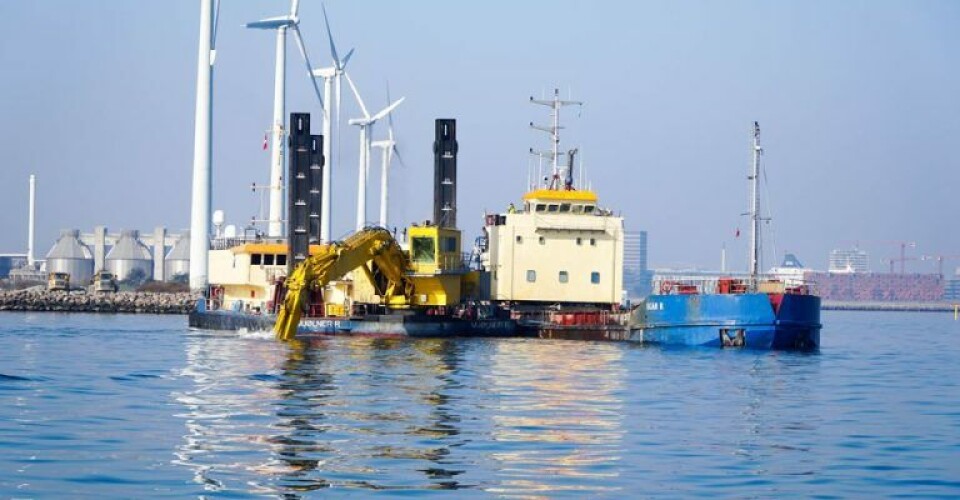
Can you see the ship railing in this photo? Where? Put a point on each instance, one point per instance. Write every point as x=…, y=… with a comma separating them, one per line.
x=733, y=285
x=575, y=317
x=454, y=261
x=227, y=243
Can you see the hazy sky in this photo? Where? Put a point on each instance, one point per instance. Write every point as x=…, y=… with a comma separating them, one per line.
x=859, y=105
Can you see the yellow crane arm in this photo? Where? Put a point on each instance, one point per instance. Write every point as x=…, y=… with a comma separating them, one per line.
x=336, y=260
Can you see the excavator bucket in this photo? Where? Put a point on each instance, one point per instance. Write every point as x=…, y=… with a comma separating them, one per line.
x=288, y=317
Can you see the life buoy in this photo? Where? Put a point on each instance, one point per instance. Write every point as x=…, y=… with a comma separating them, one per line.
x=666, y=287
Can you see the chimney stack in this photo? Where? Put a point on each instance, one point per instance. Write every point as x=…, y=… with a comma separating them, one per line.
x=445, y=173
x=32, y=219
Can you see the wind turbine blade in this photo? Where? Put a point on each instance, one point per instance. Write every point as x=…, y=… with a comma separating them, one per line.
x=389, y=116
x=333, y=46
x=216, y=25
x=396, y=152
x=306, y=60
x=356, y=94
x=294, y=8
x=387, y=110
x=346, y=59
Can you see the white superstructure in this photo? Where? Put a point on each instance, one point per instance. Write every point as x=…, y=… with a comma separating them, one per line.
x=560, y=247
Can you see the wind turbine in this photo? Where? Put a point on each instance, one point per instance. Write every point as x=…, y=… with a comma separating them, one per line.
x=366, y=125
x=330, y=76
x=202, y=147
x=388, y=148
x=281, y=24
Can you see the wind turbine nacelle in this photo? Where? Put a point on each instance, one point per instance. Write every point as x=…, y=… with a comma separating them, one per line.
x=272, y=23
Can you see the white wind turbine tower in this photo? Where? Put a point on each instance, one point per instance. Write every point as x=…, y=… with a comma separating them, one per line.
x=331, y=76
x=388, y=148
x=366, y=125
x=281, y=23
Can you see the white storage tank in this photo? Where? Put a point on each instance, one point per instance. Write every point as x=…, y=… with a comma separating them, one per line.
x=177, y=266
x=69, y=255
x=128, y=256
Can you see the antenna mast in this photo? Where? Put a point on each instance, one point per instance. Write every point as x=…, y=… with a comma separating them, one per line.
x=754, y=179
x=555, y=104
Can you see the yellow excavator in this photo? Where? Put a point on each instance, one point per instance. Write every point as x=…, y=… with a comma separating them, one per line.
x=388, y=268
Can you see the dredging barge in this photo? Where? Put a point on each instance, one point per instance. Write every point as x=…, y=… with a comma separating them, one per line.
x=551, y=267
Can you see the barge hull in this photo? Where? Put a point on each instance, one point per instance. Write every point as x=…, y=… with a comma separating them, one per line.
x=387, y=325
x=724, y=320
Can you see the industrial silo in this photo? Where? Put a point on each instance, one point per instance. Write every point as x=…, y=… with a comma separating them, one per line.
x=129, y=258
x=69, y=255
x=177, y=265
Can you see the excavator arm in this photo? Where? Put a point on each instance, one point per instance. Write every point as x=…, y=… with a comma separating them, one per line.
x=336, y=260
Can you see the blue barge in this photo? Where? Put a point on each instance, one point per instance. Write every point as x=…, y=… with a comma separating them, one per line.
x=788, y=321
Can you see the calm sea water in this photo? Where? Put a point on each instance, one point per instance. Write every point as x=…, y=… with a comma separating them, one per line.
x=139, y=406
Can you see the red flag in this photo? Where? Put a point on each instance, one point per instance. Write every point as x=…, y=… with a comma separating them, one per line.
x=738, y=233
x=265, y=142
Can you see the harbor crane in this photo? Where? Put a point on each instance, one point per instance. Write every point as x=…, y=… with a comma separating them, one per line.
x=903, y=251
x=940, y=259
x=901, y=260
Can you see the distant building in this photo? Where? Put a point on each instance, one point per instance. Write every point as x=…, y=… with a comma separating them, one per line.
x=951, y=289
x=848, y=261
x=877, y=287
x=637, y=277
x=11, y=261
x=791, y=271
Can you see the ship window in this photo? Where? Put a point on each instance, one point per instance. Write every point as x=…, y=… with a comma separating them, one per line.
x=282, y=259
x=449, y=244
x=564, y=277
x=588, y=209
x=543, y=241
x=422, y=249
x=541, y=207
x=531, y=276
x=256, y=259
x=579, y=241
x=593, y=242
x=595, y=278
x=519, y=239
x=552, y=208
x=578, y=209
x=564, y=208
x=268, y=259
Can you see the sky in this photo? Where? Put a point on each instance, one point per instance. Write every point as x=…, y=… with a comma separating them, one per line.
x=858, y=104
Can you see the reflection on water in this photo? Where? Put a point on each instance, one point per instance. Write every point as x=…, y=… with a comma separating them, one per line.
x=399, y=414
x=558, y=421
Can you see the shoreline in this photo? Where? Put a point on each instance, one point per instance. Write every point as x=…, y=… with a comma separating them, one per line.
x=835, y=305
x=121, y=302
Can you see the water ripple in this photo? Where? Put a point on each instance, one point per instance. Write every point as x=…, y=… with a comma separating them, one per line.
x=140, y=406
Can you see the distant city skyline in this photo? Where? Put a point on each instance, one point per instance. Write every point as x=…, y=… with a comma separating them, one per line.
x=857, y=104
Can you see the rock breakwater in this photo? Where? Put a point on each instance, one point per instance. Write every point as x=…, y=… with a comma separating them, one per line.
x=123, y=302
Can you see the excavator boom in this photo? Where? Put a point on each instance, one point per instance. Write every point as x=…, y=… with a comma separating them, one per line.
x=335, y=260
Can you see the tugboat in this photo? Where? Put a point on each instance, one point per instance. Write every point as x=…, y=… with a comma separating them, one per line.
x=755, y=311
